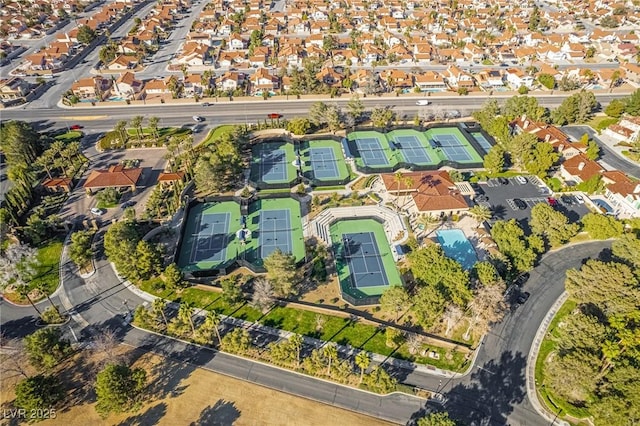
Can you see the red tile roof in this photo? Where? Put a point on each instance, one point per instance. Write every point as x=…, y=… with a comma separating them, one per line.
x=431, y=191
x=115, y=176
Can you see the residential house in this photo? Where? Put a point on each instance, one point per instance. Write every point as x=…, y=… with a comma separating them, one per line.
x=632, y=72
x=230, y=81
x=56, y=185
x=262, y=81
x=127, y=85
x=433, y=193
x=580, y=169
x=123, y=63
x=330, y=77
x=430, y=81
x=518, y=78
x=96, y=87
x=623, y=194
x=13, y=88
x=457, y=78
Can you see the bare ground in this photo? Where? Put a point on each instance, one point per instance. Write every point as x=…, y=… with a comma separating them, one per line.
x=182, y=395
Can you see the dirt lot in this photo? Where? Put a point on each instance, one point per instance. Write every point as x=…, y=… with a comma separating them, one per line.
x=183, y=396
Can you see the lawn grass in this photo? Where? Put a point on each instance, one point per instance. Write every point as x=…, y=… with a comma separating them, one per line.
x=554, y=403
x=46, y=272
x=335, y=329
x=601, y=122
x=69, y=136
x=217, y=133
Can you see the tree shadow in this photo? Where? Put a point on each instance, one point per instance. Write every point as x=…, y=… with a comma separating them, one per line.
x=222, y=413
x=150, y=417
x=495, y=388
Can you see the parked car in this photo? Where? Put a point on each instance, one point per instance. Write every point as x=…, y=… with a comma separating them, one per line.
x=96, y=211
x=523, y=297
x=552, y=201
x=198, y=119
x=567, y=200
x=126, y=204
x=521, y=279
x=503, y=181
x=76, y=127
x=579, y=198
x=521, y=180
x=520, y=204
x=481, y=198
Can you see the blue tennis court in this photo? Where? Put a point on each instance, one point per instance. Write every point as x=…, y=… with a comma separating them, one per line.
x=323, y=163
x=371, y=152
x=273, y=165
x=210, y=242
x=453, y=148
x=360, y=251
x=412, y=150
x=482, y=141
x=275, y=232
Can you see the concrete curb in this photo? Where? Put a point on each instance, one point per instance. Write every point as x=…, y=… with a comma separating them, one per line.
x=532, y=393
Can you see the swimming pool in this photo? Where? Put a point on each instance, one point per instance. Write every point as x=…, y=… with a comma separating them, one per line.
x=457, y=246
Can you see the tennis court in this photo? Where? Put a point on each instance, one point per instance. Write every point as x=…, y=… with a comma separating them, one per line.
x=371, y=152
x=452, y=147
x=275, y=232
x=482, y=141
x=210, y=241
x=361, y=254
x=324, y=163
x=412, y=149
x=273, y=165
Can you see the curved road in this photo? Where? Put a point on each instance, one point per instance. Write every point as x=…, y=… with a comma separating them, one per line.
x=492, y=394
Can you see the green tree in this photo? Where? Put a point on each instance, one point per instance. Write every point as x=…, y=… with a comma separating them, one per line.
x=593, y=150
x=601, y=227
x=528, y=106
x=173, y=277
x=355, y=108
x=382, y=117
x=430, y=266
x=121, y=129
x=80, y=248
x=38, y=393
x=332, y=116
x=521, y=146
x=153, y=127
x=580, y=383
x=627, y=248
x=148, y=260
x=317, y=113
x=486, y=273
x=480, y=213
x=632, y=106
x=395, y=299
x=330, y=354
x=494, y=160
x=540, y=159
x=378, y=380
x=428, y=305
x=592, y=185
x=299, y=126
x=282, y=273
x=237, y=340
x=615, y=108
x=553, y=224
x=577, y=108
x=119, y=389
x=511, y=242
x=46, y=347
x=617, y=291
x=136, y=124
x=436, y=419
x=231, y=291
x=362, y=360
x=547, y=80
x=85, y=34
x=120, y=243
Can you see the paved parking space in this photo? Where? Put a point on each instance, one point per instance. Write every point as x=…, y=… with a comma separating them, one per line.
x=501, y=199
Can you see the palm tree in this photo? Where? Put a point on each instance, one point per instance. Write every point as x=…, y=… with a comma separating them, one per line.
x=42, y=286
x=44, y=161
x=400, y=179
x=153, y=126
x=363, y=359
x=213, y=321
x=480, y=213
x=296, y=344
x=614, y=78
x=121, y=129
x=158, y=307
x=330, y=351
x=427, y=220
x=24, y=290
x=185, y=313
x=136, y=123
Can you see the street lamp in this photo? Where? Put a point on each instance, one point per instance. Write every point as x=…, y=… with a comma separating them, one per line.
x=126, y=305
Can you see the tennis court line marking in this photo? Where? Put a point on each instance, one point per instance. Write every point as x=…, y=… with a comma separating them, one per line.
x=275, y=231
x=376, y=255
x=211, y=236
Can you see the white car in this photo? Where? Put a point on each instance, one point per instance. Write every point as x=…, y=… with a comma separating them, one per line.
x=96, y=211
x=197, y=118
x=521, y=180
x=422, y=102
x=579, y=198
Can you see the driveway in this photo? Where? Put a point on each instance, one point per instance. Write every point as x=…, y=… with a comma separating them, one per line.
x=607, y=154
x=500, y=199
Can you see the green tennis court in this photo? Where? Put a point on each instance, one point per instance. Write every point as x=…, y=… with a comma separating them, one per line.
x=413, y=147
x=364, y=261
x=323, y=162
x=372, y=149
x=273, y=163
x=452, y=145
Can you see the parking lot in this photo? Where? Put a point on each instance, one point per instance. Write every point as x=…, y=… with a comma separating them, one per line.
x=509, y=198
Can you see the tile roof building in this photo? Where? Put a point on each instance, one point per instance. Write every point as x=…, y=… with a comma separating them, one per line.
x=114, y=177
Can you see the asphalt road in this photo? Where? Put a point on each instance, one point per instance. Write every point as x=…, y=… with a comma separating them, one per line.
x=492, y=394
x=607, y=155
x=225, y=112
